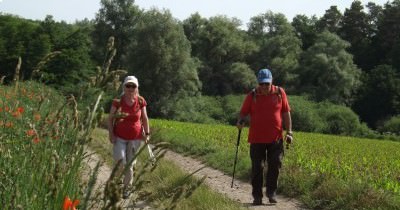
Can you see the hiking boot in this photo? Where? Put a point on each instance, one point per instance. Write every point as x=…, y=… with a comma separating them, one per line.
x=257, y=201
x=272, y=199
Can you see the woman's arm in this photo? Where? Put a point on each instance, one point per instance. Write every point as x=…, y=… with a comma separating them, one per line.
x=111, y=119
x=145, y=123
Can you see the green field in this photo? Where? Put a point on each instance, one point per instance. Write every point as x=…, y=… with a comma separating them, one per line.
x=325, y=171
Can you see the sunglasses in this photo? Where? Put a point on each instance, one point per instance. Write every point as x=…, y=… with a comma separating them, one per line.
x=130, y=86
x=266, y=84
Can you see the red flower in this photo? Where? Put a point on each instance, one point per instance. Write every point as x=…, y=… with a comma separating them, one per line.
x=70, y=205
x=20, y=110
x=30, y=132
x=36, y=140
x=36, y=117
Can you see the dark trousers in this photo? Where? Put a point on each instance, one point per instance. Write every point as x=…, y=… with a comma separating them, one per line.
x=273, y=153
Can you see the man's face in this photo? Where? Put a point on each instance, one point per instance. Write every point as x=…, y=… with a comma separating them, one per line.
x=265, y=86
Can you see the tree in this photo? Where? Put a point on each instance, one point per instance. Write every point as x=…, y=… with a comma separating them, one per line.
x=388, y=37
x=279, y=48
x=330, y=20
x=379, y=96
x=356, y=30
x=117, y=18
x=222, y=49
x=160, y=58
x=305, y=29
x=21, y=38
x=327, y=71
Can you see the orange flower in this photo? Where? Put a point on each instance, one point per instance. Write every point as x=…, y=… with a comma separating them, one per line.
x=9, y=124
x=1, y=109
x=30, y=132
x=20, y=110
x=7, y=108
x=36, y=117
x=16, y=114
x=36, y=140
x=70, y=205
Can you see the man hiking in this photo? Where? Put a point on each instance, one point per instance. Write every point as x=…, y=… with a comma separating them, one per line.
x=269, y=109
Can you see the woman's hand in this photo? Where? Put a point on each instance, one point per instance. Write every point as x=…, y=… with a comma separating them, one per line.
x=112, y=138
x=147, y=138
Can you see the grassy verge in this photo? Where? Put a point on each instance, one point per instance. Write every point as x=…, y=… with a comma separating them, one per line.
x=167, y=186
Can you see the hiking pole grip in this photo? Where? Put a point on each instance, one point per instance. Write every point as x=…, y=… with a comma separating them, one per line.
x=234, y=164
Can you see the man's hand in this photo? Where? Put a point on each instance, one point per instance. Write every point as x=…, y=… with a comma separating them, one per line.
x=240, y=124
x=289, y=137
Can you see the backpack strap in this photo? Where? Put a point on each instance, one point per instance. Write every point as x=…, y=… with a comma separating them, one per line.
x=278, y=91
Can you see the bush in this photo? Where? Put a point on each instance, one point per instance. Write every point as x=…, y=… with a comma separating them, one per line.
x=231, y=105
x=304, y=115
x=391, y=126
x=340, y=120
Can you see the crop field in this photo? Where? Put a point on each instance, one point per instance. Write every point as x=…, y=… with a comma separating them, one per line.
x=345, y=161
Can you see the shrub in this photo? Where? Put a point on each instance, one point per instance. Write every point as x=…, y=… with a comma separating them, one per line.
x=391, y=126
x=304, y=115
x=339, y=119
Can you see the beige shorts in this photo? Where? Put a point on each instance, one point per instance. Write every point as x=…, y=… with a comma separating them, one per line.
x=125, y=150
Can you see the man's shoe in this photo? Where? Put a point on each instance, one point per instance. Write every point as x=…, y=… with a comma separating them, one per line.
x=257, y=201
x=272, y=199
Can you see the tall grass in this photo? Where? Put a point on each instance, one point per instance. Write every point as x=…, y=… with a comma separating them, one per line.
x=325, y=171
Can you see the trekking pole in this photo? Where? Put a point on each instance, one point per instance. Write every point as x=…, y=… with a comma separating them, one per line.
x=234, y=164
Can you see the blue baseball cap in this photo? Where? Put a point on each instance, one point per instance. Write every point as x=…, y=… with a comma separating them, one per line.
x=264, y=76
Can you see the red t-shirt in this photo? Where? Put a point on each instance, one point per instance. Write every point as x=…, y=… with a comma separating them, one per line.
x=265, y=115
x=130, y=126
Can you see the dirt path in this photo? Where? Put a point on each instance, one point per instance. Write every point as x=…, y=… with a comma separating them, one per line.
x=216, y=180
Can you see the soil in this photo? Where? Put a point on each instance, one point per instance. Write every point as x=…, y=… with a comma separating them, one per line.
x=216, y=180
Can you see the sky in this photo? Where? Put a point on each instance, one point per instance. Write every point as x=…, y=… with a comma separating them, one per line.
x=72, y=10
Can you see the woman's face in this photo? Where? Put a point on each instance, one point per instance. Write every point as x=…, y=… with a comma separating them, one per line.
x=130, y=88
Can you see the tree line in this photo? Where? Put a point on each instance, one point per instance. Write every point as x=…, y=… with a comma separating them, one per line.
x=349, y=58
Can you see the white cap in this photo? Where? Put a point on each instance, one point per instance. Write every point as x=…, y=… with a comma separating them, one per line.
x=131, y=79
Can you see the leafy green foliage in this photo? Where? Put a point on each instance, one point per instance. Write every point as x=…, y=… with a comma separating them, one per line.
x=381, y=91
x=116, y=18
x=327, y=71
x=222, y=48
x=278, y=46
x=391, y=126
x=160, y=58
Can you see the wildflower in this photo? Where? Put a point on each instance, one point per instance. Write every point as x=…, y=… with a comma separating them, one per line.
x=70, y=205
x=9, y=124
x=36, y=140
x=20, y=110
x=36, y=117
x=30, y=132
x=1, y=109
